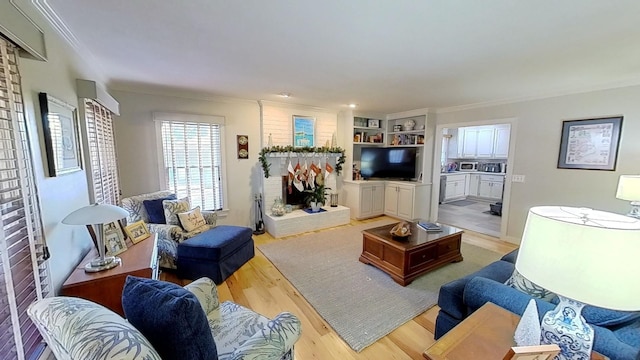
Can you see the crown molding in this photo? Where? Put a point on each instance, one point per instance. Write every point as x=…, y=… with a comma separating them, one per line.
x=177, y=93
x=408, y=114
x=56, y=22
x=565, y=92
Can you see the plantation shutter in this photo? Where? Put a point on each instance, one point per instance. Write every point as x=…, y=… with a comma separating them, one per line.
x=193, y=162
x=24, y=276
x=102, y=154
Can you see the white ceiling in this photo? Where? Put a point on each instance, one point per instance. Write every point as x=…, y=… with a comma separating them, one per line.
x=385, y=55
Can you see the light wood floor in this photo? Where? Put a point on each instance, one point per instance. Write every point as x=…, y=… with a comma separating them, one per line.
x=260, y=286
x=471, y=217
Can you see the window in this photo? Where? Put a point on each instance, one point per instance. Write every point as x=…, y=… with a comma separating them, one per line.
x=24, y=275
x=192, y=158
x=102, y=167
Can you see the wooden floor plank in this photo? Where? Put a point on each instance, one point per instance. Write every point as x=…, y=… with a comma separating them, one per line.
x=260, y=286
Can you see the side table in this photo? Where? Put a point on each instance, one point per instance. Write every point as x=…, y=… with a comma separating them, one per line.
x=486, y=334
x=105, y=287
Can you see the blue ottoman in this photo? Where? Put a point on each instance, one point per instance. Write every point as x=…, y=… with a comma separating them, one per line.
x=216, y=253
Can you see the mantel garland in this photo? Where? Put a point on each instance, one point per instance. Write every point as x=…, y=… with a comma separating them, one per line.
x=290, y=149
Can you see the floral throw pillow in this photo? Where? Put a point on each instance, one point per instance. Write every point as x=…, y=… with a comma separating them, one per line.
x=519, y=282
x=173, y=207
x=192, y=220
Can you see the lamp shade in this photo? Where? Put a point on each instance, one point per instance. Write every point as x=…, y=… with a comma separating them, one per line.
x=629, y=188
x=586, y=255
x=95, y=214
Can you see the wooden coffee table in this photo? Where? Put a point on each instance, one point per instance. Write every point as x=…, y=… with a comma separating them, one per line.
x=404, y=259
x=485, y=334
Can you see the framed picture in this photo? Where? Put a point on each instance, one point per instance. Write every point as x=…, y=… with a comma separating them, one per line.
x=113, y=238
x=137, y=231
x=535, y=352
x=61, y=137
x=303, y=131
x=590, y=144
x=373, y=123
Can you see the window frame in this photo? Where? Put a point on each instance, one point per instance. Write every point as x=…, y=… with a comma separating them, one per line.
x=159, y=117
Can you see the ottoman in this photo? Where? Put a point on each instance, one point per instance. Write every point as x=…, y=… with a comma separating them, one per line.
x=216, y=253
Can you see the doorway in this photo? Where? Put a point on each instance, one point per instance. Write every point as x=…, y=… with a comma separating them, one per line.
x=472, y=167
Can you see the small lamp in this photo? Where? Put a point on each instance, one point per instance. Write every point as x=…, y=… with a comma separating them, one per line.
x=586, y=257
x=96, y=215
x=629, y=189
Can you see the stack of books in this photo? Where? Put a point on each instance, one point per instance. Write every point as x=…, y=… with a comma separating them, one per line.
x=429, y=226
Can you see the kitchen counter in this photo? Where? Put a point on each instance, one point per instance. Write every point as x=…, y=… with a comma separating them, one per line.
x=472, y=172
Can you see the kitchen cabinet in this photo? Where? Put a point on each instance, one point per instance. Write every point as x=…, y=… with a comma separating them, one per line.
x=406, y=200
x=364, y=198
x=474, y=184
x=456, y=187
x=491, y=187
x=483, y=142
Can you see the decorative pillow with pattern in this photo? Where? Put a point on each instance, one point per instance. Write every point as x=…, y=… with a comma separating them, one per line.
x=192, y=220
x=173, y=207
x=519, y=282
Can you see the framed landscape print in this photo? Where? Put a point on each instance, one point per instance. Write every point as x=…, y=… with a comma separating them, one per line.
x=303, y=131
x=61, y=136
x=590, y=144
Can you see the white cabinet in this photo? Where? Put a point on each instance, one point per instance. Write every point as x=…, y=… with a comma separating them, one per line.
x=456, y=187
x=483, y=142
x=501, y=145
x=474, y=184
x=364, y=198
x=491, y=187
x=406, y=200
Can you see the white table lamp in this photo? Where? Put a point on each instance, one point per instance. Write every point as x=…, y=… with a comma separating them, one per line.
x=96, y=215
x=629, y=189
x=585, y=256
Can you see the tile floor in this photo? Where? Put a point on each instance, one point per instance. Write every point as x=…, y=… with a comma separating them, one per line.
x=470, y=217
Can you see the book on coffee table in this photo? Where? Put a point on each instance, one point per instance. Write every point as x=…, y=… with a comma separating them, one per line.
x=429, y=226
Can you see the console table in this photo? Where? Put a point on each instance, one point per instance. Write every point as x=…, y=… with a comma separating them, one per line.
x=105, y=287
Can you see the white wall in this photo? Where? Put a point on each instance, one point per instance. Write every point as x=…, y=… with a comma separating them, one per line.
x=137, y=147
x=60, y=195
x=538, y=131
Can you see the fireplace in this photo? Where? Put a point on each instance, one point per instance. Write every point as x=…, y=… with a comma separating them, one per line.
x=295, y=198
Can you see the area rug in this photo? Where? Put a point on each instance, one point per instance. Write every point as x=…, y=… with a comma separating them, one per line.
x=361, y=303
x=461, y=203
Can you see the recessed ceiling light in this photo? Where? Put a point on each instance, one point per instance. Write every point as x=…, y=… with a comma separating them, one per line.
x=353, y=106
x=285, y=94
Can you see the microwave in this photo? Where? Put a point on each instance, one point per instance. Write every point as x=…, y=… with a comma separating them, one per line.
x=468, y=166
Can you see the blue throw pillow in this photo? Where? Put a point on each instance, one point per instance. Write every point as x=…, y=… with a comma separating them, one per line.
x=155, y=210
x=170, y=317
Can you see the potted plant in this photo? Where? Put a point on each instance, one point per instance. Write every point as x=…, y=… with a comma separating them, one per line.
x=316, y=197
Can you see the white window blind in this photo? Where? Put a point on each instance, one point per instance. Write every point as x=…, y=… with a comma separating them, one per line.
x=193, y=162
x=24, y=276
x=103, y=167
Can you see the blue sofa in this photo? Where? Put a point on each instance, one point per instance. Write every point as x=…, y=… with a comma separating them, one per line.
x=617, y=333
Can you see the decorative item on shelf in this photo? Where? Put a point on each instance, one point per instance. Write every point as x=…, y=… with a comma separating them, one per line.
x=397, y=127
x=402, y=229
x=334, y=141
x=629, y=189
x=359, y=122
x=373, y=123
x=278, y=208
x=559, y=250
x=408, y=125
x=137, y=231
x=94, y=217
x=357, y=138
x=270, y=141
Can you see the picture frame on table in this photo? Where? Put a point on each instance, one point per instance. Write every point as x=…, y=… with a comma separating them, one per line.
x=137, y=231
x=114, y=239
x=590, y=144
x=535, y=352
x=303, y=131
x=61, y=135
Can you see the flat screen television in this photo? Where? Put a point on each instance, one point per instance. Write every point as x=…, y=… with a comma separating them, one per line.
x=388, y=163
